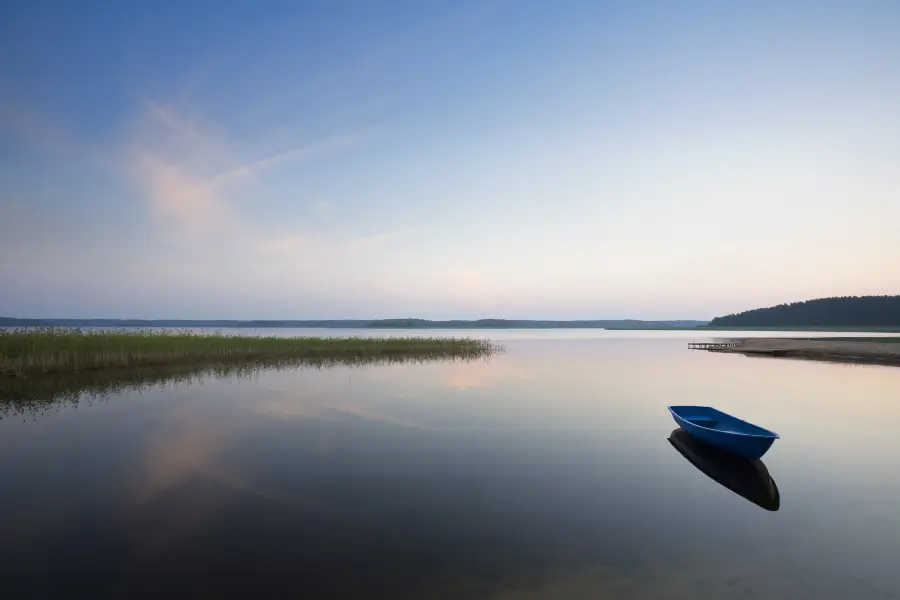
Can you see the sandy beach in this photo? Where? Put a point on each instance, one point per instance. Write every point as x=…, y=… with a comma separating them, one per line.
x=842, y=351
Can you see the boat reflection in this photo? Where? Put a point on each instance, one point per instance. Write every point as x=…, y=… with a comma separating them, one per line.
x=749, y=479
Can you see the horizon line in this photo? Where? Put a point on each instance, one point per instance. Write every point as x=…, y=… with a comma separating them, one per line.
x=350, y=319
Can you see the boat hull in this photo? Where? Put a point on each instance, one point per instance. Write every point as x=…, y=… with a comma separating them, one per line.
x=748, y=446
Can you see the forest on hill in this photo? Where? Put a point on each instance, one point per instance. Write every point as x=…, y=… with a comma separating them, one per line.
x=844, y=311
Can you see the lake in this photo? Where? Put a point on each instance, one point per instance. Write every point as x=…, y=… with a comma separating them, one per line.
x=544, y=472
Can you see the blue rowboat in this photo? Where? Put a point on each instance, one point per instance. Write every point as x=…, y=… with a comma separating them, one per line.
x=730, y=434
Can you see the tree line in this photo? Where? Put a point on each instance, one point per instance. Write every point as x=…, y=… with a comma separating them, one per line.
x=841, y=311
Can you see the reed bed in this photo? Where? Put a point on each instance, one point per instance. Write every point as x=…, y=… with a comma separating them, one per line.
x=55, y=350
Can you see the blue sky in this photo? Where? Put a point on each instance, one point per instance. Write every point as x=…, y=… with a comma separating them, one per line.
x=507, y=158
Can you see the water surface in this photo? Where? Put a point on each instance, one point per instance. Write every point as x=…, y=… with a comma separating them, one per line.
x=546, y=472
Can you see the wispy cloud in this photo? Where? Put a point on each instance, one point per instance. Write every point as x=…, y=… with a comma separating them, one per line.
x=326, y=146
x=188, y=169
x=177, y=194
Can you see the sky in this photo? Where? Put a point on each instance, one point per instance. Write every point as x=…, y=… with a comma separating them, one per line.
x=446, y=159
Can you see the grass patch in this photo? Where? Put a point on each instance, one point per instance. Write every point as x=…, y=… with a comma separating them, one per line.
x=54, y=350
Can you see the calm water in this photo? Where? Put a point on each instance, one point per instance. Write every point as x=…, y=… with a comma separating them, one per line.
x=546, y=472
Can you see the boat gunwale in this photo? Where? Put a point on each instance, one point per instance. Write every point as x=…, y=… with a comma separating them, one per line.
x=771, y=435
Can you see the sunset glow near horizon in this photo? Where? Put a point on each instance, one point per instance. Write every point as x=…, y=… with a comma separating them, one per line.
x=513, y=158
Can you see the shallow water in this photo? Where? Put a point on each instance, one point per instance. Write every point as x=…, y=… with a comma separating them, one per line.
x=546, y=472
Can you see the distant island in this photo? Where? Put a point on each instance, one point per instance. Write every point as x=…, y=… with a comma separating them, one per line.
x=839, y=312
x=357, y=323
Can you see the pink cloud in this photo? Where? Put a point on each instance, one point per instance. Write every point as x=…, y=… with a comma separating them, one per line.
x=188, y=169
x=176, y=195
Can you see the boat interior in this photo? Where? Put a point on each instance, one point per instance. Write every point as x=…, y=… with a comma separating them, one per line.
x=702, y=421
x=713, y=419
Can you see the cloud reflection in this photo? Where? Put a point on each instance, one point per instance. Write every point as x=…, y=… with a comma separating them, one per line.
x=185, y=448
x=186, y=464
x=484, y=375
x=293, y=407
x=40, y=395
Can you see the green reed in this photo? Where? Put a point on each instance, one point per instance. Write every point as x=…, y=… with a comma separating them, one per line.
x=57, y=350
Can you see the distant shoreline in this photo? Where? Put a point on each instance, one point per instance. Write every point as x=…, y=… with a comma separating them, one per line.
x=424, y=324
x=487, y=324
x=359, y=323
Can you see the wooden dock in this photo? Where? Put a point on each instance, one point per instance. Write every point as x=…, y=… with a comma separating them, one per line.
x=712, y=345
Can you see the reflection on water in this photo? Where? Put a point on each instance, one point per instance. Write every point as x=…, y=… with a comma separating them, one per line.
x=34, y=395
x=749, y=479
x=539, y=474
